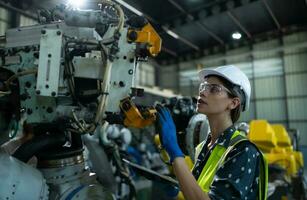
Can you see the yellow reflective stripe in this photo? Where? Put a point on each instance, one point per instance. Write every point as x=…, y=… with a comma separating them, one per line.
x=198, y=149
x=206, y=177
x=263, y=184
x=214, y=161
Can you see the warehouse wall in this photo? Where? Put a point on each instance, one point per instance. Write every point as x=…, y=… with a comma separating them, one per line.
x=4, y=20
x=26, y=21
x=277, y=70
x=145, y=74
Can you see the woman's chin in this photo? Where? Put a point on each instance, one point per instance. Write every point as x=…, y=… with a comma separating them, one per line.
x=200, y=109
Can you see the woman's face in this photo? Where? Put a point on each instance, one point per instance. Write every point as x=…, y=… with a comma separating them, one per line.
x=213, y=99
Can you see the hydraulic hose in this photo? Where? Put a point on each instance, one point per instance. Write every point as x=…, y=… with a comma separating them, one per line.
x=38, y=144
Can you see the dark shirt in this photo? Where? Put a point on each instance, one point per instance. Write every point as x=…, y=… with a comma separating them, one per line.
x=238, y=177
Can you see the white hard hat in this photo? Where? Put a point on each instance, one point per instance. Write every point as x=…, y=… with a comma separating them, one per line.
x=232, y=74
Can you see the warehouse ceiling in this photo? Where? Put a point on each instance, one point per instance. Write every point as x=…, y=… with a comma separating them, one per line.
x=204, y=24
x=194, y=28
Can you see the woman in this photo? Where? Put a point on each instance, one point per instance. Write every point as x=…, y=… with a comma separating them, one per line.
x=228, y=166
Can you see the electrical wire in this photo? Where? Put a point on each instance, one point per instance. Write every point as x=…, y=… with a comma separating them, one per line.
x=107, y=65
x=13, y=77
x=23, y=73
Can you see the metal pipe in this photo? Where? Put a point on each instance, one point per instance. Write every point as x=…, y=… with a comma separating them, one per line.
x=254, y=84
x=285, y=85
x=201, y=25
x=19, y=11
x=171, y=52
x=189, y=43
x=206, y=29
x=268, y=8
x=38, y=144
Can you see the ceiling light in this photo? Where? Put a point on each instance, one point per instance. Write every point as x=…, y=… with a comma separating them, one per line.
x=75, y=3
x=236, y=35
x=171, y=33
x=132, y=9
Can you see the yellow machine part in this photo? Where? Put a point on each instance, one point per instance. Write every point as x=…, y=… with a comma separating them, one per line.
x=299, y=158
x=283, y=139
x=286, y=160
x=134, y=117
x=263, y=135
x=275, y=143
x=165, y=156
x=149, y=36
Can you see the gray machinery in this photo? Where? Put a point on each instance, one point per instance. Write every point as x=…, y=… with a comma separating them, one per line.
x=64, y=78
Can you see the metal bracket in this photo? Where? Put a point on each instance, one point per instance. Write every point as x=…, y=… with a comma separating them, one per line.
x=49, y=63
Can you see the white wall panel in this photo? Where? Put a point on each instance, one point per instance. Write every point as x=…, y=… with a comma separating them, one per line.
x=301, y=126
x=296, y=84
x=270, y=87
x=249, y=114
x=145, y=75
x=4, y=20
x=271, y=110
x=296, y=62
x=295, y=38
x=189, y=90
x=26, y=21
x=168, y=77
x=266, y=45
x=268, y=67
x=297, y=109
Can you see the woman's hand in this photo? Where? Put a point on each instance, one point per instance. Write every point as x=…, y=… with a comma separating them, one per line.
x=167, y=131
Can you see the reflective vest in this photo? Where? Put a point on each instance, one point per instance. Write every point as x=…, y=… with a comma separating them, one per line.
x=217, y=158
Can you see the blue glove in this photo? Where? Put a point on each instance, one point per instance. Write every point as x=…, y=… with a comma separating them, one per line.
x=167, y=131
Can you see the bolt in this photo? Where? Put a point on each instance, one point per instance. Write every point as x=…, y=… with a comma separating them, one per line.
x=121, y=84
x=36, y=55
x=38, y=91
x=49, y=110
x=53, y=93
x=23, y=97
x=47, y=86
x=29, y=111
x=49, y=55
x=28, y=84
x=132, y=35
x=58, y=32
x=43, y=31
x=27, y=49
x=22, y=110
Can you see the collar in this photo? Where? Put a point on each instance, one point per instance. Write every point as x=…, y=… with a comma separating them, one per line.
x=224, y=138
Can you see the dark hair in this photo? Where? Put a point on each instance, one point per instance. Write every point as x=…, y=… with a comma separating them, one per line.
x=235, y=91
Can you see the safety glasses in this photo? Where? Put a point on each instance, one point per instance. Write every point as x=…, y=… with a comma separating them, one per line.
x=212, y=88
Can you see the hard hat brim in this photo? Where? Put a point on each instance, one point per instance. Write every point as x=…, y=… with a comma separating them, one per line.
x=208, y=72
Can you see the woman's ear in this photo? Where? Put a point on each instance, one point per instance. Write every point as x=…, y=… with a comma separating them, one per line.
x=235, y=102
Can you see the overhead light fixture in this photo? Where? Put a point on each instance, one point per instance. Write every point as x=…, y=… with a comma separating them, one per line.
x=171, y=33
x=129, y=7
x=236, y=35
x=75, y=3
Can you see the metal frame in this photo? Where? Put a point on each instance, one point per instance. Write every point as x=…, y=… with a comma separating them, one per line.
x=166, y=50
x=239, y=24
x=268, y=8
x=199, y=24
x=254, y=83
x=220, y=5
